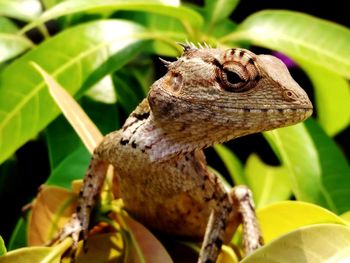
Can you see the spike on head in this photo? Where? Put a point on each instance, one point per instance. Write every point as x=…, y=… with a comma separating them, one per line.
x=186, y=46
x=165, y=62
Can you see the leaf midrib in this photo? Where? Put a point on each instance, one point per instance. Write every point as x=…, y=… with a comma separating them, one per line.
x=55, y=73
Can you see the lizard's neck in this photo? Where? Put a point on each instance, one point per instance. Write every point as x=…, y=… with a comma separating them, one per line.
x=166, y=140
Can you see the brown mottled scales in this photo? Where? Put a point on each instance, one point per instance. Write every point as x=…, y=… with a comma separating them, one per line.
x=207, y=96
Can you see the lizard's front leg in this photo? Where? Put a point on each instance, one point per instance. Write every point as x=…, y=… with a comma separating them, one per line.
x=93, y=181
x=234, y=208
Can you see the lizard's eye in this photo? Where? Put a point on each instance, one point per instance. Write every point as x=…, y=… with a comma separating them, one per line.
x=232, y=81
x=231, y=77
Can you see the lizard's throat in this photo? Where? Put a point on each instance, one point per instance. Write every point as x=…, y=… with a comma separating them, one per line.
x=162, y=144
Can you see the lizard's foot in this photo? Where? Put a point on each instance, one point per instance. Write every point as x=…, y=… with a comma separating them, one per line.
x=73, y=228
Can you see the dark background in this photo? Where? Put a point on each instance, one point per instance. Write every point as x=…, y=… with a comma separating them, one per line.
x=32, y=168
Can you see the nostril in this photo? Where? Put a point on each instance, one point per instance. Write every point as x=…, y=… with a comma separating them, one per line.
x=289, y=95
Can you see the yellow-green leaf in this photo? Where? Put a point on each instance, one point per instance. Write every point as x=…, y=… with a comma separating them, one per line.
x=268, y=183
x=11, y=44
x=25, y=104
x=37, y=254
x=184, y=14
x=283, y=217
x=106, y=248
x=25, y=10
x=2, y=247
x=313, y=244
x=300, y=36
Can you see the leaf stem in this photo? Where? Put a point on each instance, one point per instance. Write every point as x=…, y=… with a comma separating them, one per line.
x=43, y=30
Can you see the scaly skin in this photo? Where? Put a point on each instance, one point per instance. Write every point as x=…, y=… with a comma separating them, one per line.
x=208, y=96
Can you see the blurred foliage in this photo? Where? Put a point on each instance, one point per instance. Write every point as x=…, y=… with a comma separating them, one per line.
x=102, y=53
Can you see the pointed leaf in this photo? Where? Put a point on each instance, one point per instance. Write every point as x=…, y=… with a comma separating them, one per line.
x=182, y=13
x=301, y=36
x=11, y=44
x=25, y=104
x=314, y=244
x=81, y=123
x=268, y=183
x=280, y=218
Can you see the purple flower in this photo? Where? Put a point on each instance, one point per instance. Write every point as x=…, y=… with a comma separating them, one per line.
x=286, y=60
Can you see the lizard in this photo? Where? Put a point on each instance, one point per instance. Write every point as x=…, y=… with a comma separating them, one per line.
x=208, y=96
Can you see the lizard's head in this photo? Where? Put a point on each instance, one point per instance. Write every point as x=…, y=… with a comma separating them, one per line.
x=232, y=92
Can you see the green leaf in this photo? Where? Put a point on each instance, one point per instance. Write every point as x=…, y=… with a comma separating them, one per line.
x=334, y=167
x=73, y=167
x=25, y=10
x=170, y=30
x=302, y=37
x=30, y=254
x=216, y=11
x=11, y=44
x=25, y=104
x=296, y=150
x=103, y=91
x=282, y=217
x=69, y=158
x=332, y=95
x=318, y=171
x=232, y=164
x=126, y=95
x=186, y=15
x=2, y=247
x=37, y=254
x=314, y=244
x=268, y=183
x=61, y=141
x=19, y=235
x=7, y=26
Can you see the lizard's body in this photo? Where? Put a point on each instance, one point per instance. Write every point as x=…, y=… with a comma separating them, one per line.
x=208, y=96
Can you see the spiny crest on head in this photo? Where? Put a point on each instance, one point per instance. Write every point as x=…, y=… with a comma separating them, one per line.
x=187, y=47
x=191, y=46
